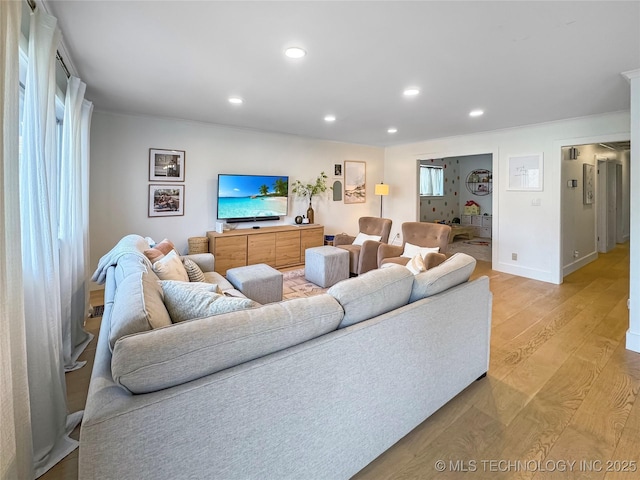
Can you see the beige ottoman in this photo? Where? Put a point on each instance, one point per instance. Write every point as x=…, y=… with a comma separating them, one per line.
x=259, y=282
x=325, y=266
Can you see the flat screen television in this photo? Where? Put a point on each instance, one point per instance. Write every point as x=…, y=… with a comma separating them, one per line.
x=248, y=198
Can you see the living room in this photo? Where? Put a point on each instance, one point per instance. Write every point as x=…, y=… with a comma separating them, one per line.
x=527, y=225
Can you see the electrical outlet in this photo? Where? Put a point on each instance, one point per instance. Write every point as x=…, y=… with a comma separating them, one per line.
x=575, y=254
x=514, y=256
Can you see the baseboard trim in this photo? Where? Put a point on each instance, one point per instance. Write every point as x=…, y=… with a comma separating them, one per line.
x=633, y=341
x=573, y=266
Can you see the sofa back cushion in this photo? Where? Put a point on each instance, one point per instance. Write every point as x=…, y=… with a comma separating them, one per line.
x=137, y=307
x=185, y=351
x=453, y=271
x=373, y=293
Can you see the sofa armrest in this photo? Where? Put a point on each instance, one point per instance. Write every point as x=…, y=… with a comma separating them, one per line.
x=343, y=239
x=205, y=261
x=388, y=251
x=368, y=256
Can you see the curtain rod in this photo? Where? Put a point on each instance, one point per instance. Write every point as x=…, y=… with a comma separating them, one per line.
x=32, y=6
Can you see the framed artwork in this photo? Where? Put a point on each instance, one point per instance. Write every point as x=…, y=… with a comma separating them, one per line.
x=337, y=170
x=588, y=183
x=166, y=165
x=166, y=200
x=355, y=182
x=525, y=172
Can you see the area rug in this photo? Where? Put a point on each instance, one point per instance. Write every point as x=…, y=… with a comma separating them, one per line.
x=296, y=286
x=479, y=248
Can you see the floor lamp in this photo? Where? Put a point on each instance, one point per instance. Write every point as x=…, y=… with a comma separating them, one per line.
x=382, y=190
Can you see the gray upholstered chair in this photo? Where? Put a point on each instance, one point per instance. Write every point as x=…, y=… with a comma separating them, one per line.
x=421, y=234
x=363, y=258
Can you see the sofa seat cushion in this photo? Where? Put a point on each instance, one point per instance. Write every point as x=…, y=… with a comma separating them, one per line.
x=215, y=277
x=189, y=300
x=174, y=355
x=373, y=293
x=137, y=306
x=453, y=271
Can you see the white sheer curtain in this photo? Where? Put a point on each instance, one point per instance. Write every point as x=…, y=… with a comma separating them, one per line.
x=15, y=422
x=431, y=181
x=40, y=253
x=73, y=231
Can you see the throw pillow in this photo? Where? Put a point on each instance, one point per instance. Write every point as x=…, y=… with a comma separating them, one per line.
x=163, y=248
x=184, y=302
x=193, y=270
x=170, y=267
x=411, y=250
x=433, y=259
x=416, y=264
x=363, y=237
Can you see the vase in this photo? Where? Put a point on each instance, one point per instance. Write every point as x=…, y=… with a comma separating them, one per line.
x=310, y=212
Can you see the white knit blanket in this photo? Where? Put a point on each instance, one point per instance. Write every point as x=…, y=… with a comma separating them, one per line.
x=132, y=243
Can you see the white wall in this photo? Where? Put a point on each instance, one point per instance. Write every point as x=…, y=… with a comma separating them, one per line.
x=533, y=232
x=120, y=172
x=633, y=334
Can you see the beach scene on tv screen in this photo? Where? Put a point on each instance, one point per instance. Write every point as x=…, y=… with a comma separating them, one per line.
x=248, y=196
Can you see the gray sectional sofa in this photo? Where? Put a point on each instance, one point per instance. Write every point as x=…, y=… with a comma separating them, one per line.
x=312, y=388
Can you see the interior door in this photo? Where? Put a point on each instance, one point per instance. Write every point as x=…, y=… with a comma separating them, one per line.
x=612, y=214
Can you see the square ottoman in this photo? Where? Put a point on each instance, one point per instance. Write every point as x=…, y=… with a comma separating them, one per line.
x=259, y=282
x=325, y=266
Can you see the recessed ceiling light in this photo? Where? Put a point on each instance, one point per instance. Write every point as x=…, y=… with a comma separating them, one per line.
x=330, y=118
x=392, y=130
x=236, y=100
x=295, y=52
x=476, y=113
x=411, y=92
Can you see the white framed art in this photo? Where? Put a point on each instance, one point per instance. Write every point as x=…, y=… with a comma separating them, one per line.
x=525, y=172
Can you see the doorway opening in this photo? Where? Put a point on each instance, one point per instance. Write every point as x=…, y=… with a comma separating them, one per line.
x=595, y=201
x=465, y=200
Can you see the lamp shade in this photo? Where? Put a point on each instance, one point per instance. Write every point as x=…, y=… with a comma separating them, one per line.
x=382, y=189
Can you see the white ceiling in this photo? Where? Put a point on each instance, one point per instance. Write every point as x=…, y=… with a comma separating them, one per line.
x=521, y=62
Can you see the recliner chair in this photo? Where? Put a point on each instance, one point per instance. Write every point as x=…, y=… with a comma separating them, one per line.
x=421, y=234
x=363, y=258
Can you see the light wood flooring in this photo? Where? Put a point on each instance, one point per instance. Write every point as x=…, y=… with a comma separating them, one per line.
x=560, y=393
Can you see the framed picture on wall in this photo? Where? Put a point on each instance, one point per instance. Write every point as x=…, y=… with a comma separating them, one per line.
x=166, y=165
x=355, y=182
x=166, y=200
x=588, y=183
x=525, y=172
x=337, y=170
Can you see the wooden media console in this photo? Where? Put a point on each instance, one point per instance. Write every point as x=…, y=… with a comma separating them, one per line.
x=279, y=246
